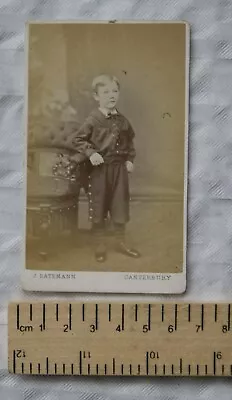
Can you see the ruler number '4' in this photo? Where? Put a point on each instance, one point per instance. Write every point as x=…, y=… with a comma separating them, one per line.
x=119, y=328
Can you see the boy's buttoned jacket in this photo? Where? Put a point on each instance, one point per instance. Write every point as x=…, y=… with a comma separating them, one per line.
x=110, y=135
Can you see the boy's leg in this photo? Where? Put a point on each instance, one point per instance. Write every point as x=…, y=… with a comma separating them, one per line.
x=97, y=193
x=99, y=242
x=120, y=208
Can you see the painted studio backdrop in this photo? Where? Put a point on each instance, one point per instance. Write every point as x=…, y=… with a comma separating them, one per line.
x=149, y=61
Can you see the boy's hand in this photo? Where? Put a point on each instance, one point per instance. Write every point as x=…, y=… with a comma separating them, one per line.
x=96, y=159
x=129, y=166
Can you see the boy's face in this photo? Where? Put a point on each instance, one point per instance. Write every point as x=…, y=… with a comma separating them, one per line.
x=107, y=95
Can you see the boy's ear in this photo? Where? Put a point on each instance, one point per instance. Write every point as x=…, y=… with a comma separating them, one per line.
x=95, y=96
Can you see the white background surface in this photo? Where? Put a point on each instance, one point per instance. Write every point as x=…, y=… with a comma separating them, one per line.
x=210, y=181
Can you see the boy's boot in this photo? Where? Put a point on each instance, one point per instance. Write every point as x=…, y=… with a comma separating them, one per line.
x=120, y=244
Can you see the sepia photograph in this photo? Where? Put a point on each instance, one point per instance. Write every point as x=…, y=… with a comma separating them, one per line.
x=106, y=120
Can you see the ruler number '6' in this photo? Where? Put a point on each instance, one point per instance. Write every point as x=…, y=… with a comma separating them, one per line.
x=219, y=355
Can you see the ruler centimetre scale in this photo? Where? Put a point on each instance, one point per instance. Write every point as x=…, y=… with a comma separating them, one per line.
x=145, y=339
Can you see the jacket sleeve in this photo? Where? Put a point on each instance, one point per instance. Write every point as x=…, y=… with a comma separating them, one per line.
x=131, y=148
x=82, y=141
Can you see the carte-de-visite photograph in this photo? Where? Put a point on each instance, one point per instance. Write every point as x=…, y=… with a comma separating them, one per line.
x=106, y=171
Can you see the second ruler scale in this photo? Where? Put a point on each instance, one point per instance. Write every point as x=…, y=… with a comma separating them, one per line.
x=120, y=339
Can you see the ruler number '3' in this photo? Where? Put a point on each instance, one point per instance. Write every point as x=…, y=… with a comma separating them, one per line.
x=92, y=328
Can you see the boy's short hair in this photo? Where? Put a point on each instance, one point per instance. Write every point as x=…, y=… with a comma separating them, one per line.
x=102, y=79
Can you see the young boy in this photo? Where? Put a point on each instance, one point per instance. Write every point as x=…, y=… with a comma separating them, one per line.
x=106, y=139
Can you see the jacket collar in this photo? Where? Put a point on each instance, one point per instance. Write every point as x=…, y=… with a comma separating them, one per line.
x=107, y=113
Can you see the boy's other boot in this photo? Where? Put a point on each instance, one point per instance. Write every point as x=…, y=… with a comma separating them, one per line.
x=120, y=244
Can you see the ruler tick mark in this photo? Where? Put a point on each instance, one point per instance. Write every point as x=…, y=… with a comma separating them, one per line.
x=189, y=313
x=147, y=363
x=214, y=363
x=30, y=368
x=14, y=362
x=44, y=316
x=97, y=369
x=70, y=317
x=136, y=312
x=72, y=369
x=17, y=317
x=223, y=369
x=123, y=317
x=231, y=369
x=139, y=369
x=55, y=368
x=181, y=366
x=30, y=312
x=83, y=312
x=202, y=317
x=122, y=369
x=47, y=366
x=197, y=369
x=113, y=367
x=164, y=369
x=96, y=317
x=176, y=311
x=162, y=312
x=64, y=367
x=189, y=369
x=57, y=312
x=155, y=369
x=172, y=369
x=131, y=369
x=105, y=369
x=109, y=312
x=228, y=317
x=39, y=369
x=22, y=368
x=215, y=312
x=89, y=369
x=206, y=369
x=149, y=317
x=80, y=362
